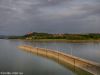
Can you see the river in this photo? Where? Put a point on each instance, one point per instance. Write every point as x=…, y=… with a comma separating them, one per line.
x=12, y=59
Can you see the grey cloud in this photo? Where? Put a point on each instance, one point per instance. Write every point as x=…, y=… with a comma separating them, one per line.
x=52, y=2
x=92, y=9
x=54, y=16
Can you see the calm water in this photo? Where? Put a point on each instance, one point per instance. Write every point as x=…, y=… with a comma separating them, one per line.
x=13, y=59
x=89, y=51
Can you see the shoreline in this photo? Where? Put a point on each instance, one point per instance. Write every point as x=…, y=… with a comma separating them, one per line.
x=62, y=40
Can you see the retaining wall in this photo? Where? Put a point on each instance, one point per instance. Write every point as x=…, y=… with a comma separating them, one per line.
x=86, y=65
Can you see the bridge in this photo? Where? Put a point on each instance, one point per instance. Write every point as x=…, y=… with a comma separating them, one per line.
x=86, y=65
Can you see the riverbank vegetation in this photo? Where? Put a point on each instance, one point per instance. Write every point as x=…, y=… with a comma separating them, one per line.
x=35, y=36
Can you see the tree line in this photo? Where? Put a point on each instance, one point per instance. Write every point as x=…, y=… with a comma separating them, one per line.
x=35, y=35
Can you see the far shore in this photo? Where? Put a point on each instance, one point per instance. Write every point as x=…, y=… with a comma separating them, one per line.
x=62, y=40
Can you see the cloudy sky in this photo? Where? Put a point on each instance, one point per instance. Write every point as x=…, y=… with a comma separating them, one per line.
x=53, y=16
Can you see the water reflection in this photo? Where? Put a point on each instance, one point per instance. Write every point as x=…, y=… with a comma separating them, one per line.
x=74, y=69
x=89, y=51
x=14, y=60
x=32, y=64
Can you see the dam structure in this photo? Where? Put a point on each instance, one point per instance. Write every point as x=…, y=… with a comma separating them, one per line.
x=86, y=65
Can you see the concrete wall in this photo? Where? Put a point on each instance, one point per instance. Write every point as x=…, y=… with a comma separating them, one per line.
x=86, y=65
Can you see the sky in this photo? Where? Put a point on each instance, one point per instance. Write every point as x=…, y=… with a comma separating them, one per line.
x=51, y=16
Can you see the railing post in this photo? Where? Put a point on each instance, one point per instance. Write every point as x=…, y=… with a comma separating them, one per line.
x=46, y=52
x=74, y=64
x=58, y=56
x=37, y=51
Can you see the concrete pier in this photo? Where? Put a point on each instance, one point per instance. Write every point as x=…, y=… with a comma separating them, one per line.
x=89, y=66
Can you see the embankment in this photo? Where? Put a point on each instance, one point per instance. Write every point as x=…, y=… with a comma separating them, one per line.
x=89, y=66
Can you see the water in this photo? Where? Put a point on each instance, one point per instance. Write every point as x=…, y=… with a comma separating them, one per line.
x=89, y=51
x=12, y=59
